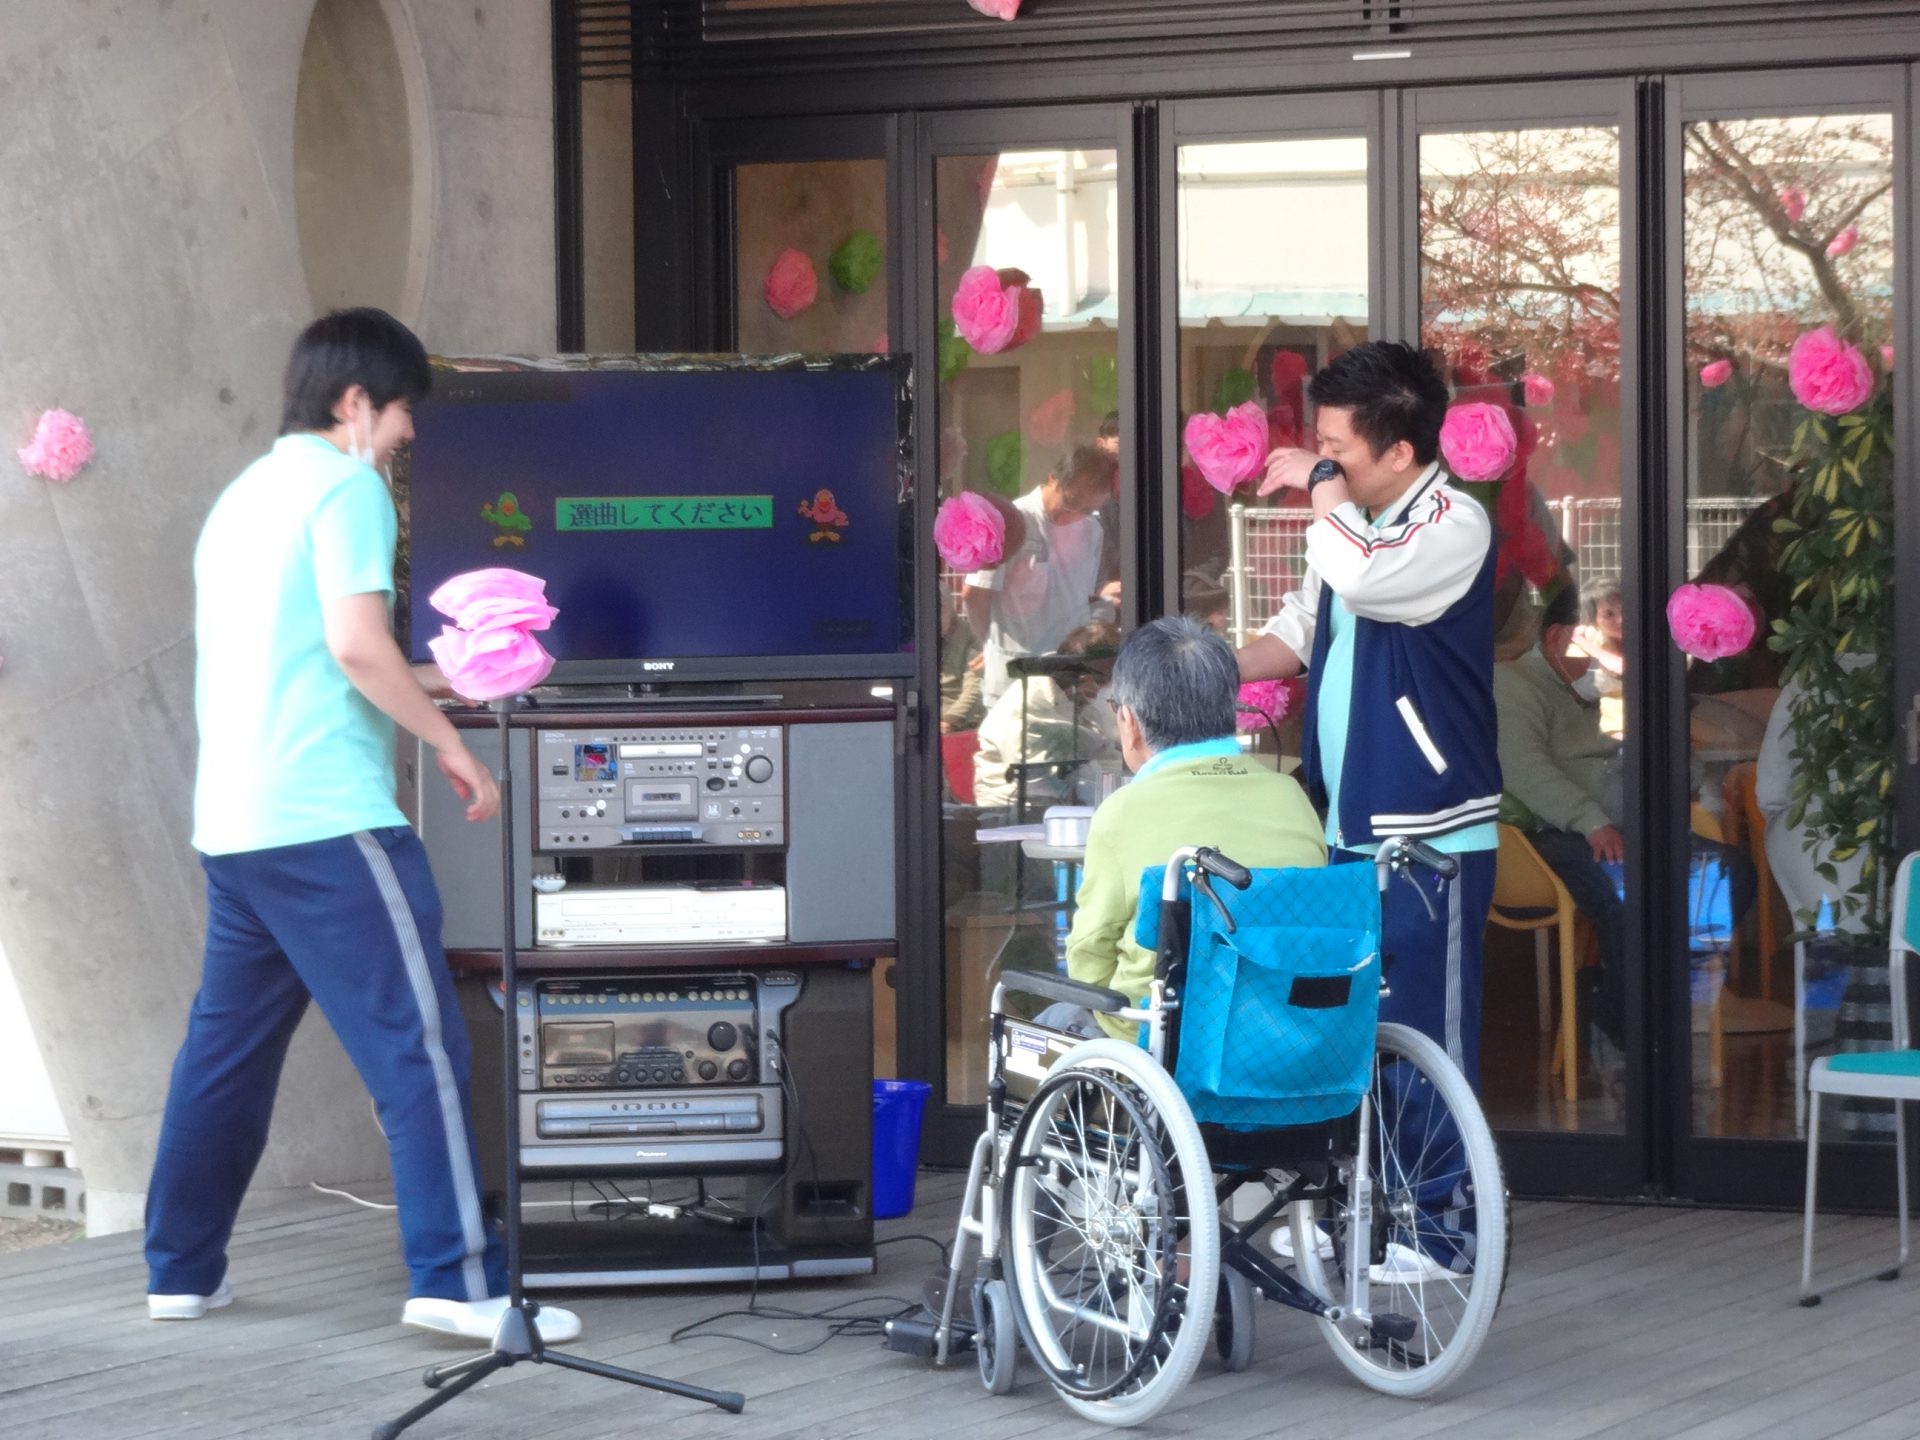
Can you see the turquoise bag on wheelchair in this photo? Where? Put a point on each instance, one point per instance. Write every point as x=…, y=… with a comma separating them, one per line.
x=1282, y=994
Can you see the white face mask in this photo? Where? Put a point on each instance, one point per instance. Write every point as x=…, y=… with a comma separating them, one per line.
x=362, y=453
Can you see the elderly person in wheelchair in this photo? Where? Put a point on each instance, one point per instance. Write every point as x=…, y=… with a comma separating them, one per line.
x=1210, y=1073
x=1175, y=684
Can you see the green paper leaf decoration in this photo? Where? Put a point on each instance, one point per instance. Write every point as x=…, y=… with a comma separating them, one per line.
x=1103, y=384
x=954, y=352
x=857, y=263
x=1235, y=388
x=1006, y=460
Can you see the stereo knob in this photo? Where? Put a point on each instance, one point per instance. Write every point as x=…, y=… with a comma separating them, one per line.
x=737, y=1070
x=678, y=1074
x=759, y=769
x=721, y=1036
x=659, y=1075
x=708, y=1070
x=623, y=1075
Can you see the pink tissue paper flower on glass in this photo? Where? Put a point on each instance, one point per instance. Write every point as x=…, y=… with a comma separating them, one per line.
x=1229, y=448
x=985, y=312
x=1051, y=418
x=1477, y=441
x=1886, y=357
x=969, y=532
x=1827, y=374
x=997, y=9
x=489, y=652
x=1715, y=373
x=1709, y=622
x=60, y=448
x=792, y=284
x=1538, y=389
x=1844, y=242
x=1263, y=703
x=1793, y=200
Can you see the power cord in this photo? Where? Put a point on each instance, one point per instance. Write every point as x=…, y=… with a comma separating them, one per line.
x=839, y=1324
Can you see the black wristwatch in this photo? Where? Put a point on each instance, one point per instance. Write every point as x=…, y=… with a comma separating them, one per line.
x=1323, y=470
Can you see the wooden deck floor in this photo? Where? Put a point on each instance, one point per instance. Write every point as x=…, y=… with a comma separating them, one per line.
x=1618, y=1321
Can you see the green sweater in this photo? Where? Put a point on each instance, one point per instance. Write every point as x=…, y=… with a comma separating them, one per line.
x=1553, y=758
x=1235, y=804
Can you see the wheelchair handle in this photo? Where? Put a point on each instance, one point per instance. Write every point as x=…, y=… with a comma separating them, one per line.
x=1399, y=849
x=1218, y=865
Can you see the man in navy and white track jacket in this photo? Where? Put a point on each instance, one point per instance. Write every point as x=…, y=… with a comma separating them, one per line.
x=1394, y=629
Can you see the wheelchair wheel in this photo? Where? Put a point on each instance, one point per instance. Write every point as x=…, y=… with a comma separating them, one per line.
x=994, y=1345
x=1439, y=1241
x=1233, y=1321
x=1110, y=1233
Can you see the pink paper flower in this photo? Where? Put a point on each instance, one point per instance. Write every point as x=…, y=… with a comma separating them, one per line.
x=1263, y=703
x=1715, y=373
x=792, y=284
x=494, y=598
x=1538, y=389
x=1197, y=498
x=1886, y=358
x=1793, y=200
x=1051, y=418
x=1228, y=448
x=488, y=652
x=1709, y=622
x=985, y=312
x=1477, y=441
x=490, y=664
x=1843, y=242
x=969, y=532
x=997, y=9
x=1827, y=374
x=60, y=448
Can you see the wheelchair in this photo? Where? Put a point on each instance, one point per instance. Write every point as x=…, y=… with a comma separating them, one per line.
x=1098, y=1214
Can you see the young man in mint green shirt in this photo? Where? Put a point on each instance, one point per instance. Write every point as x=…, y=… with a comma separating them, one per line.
x=1174, y=689
x=316, y=887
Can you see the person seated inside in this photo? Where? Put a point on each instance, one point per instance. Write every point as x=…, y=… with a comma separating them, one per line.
x=1601, y=636
x=1050, y=726
x=1560, y=776
x=1562, y=785
x=960, y=666
x=1174, y=685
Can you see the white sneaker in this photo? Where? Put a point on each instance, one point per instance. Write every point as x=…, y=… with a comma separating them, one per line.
x=188, y=1307
x=1282, y=1242
x=1409, y=1265
x=479, y=1319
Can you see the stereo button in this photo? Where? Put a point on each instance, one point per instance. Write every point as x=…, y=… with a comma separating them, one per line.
x=714, y=782
x=737, y=1070
x=708, y=1070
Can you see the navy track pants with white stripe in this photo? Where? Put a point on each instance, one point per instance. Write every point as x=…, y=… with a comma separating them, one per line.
x=354, y=924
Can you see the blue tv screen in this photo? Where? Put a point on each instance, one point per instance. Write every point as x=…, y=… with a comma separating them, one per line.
x=693, y=517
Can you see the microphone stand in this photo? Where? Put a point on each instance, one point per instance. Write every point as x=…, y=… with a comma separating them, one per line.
x=518, y=1337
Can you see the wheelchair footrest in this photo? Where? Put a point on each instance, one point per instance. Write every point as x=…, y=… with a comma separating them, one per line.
x=1388, y=1328
x=917, y=1335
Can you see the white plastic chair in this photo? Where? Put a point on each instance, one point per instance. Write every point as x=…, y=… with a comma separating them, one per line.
x=1882, y=1075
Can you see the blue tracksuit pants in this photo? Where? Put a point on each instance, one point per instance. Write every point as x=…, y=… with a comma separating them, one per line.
x=354, y=924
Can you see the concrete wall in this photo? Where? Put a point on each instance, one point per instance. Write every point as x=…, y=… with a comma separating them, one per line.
x=151, y=279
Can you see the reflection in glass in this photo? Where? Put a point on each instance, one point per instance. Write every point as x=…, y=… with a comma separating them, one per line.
x=1273, y=284
x=1520, y=304
x=1789, y=460
x=810, y=259
x=1027, y=253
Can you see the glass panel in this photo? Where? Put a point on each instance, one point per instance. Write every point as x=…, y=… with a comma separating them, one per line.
x=810, y=257
x=1264, y=302
x=606, y=215
x=1520, y=301
x=1027, y=416
x=1789, y=478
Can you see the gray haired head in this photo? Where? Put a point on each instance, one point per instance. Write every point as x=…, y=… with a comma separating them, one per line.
x=1180, y=680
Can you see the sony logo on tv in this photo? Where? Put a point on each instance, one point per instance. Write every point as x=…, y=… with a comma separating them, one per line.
x=657, y=664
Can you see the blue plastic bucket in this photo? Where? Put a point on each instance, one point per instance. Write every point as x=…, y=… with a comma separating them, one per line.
x=898, y=1106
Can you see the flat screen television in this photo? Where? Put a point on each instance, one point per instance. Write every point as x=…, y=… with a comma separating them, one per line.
x=694, y=517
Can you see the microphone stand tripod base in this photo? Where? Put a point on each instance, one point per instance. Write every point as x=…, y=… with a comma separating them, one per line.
x=517, y=1338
